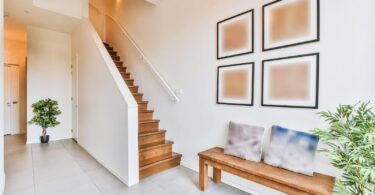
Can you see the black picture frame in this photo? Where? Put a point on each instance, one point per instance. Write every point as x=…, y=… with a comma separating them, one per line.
x=218, y=33
x=252, y=64
x=316, y=106
x=317, y=39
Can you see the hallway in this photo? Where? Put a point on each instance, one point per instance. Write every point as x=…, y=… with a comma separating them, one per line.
x=63, y=167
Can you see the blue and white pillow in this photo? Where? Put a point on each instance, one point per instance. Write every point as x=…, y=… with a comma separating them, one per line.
x=292, y=150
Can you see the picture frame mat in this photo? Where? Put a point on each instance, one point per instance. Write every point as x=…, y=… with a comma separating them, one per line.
x=313, y=36
x=221, y=24
x=313, y=60
x=250, y=94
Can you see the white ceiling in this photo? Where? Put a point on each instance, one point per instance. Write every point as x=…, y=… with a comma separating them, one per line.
x=24, y=11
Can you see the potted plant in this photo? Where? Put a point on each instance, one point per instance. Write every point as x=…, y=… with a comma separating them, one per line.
x=45, y=112
x=350, y=142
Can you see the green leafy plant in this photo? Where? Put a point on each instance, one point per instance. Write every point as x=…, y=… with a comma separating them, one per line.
x=351, y=147
x=45, y=113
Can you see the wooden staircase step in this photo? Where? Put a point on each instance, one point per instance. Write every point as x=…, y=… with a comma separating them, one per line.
x=148, y=126
x=145, y=115
x=142, y=105
x=118, y=63
x=150, y=139
x=112, y=52
x=160, y=166
x=155, y=153
x=129, y=82
x=125, y=75
x=138, y=96
x=121, y=68
x=133, y=89
x=106, y=44
x=116, y=58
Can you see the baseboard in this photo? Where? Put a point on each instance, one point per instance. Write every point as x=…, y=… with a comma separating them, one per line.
x=226, y=181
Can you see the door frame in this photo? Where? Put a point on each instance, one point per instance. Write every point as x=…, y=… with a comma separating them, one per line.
x=74, y=76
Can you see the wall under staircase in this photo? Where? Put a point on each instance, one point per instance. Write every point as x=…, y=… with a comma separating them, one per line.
x=107, y=111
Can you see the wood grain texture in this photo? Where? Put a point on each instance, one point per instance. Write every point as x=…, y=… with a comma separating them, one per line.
x=273, y=177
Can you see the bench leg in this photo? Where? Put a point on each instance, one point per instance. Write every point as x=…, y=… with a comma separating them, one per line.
x=217, y=175
x=203, y=175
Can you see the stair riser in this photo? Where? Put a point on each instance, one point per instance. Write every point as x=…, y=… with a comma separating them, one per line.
x=115, y=58
x=112, y=53
x=138, y=97
x=154, y=155
x=118, y=63
x=151, y=139
x=125, y=75
x=121, y=69
x=129, y=82
x=142, y=116
x=159, y=168
x=133, y=89
x=142, y=107
x=148, y=127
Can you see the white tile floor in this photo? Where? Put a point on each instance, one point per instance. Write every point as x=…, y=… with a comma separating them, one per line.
x=63, y=167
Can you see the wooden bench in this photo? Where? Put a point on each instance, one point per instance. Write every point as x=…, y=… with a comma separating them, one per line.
x=280, y=179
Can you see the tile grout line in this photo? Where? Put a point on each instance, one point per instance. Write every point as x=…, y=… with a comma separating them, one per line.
x=75, y=161
x=32, y=165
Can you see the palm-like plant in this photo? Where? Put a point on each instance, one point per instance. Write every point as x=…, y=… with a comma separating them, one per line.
x=351, y=147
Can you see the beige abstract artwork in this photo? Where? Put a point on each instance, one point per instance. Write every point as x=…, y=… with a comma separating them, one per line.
x=290, y=82
x=290, y=21
x=235, y=84
x=236, y=35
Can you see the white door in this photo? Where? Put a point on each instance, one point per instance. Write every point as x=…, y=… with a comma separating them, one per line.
x=11, y=75
x=75, y=97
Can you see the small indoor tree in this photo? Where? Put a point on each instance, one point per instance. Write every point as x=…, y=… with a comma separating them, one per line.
x=45, y=113
x=350, y=141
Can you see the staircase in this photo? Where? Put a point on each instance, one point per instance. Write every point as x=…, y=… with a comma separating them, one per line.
x=155, y=153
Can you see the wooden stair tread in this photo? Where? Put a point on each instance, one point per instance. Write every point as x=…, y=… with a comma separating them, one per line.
x=149, y=121
x=166, y=142
x=152, y=133
x=174, y=156
x=146, y=111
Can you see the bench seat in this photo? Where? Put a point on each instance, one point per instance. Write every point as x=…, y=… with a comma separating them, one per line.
x=273, y=177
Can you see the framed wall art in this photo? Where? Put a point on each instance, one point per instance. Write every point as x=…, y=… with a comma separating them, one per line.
x=289, y=23
x=235, y=35
x=291, y=81
x=235, y=84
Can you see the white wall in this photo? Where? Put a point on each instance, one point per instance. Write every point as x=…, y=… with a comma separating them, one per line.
x=107, y=111
x=180, y=38
x=2, y=175
x=48, y=76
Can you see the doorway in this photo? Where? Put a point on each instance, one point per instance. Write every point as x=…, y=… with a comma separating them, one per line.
x=11, y=97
